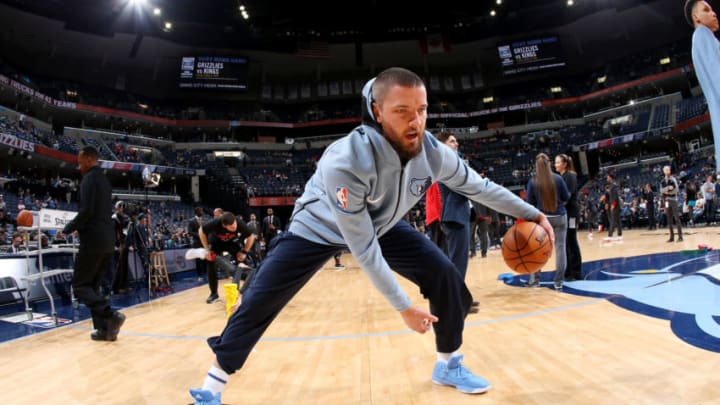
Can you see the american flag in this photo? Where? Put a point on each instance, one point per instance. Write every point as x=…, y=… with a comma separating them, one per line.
x=313, y=50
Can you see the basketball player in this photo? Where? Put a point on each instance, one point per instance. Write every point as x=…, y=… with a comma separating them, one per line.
x=229, y=234
x=706, y=59
x=363, y=186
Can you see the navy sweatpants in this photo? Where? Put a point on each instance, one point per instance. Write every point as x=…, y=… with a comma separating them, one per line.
x=294, y=260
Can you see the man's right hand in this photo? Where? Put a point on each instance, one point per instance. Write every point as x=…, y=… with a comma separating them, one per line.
x=418, y=319
x=545, y=224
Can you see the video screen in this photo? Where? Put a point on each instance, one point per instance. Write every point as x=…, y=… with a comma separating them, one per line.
x=213, y=73
x=531, y=56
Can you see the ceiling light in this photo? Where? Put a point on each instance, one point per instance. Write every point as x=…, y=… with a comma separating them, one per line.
x=492, y=13
x=498, y=2
x=157, y=11
x=168, y=26
x=570, y=3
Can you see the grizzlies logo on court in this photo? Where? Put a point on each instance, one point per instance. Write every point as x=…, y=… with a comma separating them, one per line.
x=418, y=187
x=679, y=287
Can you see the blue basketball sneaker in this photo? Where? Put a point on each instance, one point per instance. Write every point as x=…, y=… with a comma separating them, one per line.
x=454, y=374
x=205, y=397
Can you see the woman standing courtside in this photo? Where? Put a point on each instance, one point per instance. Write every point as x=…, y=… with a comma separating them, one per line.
x=564, y=165
x=548, y=193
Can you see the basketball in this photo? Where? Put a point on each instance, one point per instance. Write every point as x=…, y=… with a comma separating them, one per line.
x=526, y=247
x=24, y=218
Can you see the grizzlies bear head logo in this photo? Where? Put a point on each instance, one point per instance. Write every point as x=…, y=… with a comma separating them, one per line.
x=681, y=287
x=418, y=187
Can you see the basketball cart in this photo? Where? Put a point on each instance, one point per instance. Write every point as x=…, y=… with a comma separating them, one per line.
x=46, y=219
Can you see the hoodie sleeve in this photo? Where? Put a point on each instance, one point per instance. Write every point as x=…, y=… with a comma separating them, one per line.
x=706, y=56
x=459, y=177
x=346, y=195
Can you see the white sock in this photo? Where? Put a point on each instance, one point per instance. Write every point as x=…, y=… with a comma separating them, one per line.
x=215, y=380
x=444, y=357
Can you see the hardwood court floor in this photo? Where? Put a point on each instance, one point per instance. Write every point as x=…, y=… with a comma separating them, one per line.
x=339, y=342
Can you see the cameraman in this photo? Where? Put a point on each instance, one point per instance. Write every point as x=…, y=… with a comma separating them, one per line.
x=138, y=241
x=229, y=235
x=120, y=223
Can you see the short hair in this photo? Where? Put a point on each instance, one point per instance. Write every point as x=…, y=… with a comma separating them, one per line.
x=90, y=152
x=227, y=218
x=394, y=76
x=443, y=136
x=689, y=6
x=198, y=211
x=612, y=176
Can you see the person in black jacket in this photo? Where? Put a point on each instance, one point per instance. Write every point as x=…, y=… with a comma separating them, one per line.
x=193, y=228
x=669, y=188
x=614, y=207
x=120, y=223
x=271, y=226
x=649, y=196
x=564, y=165
x=94, y=225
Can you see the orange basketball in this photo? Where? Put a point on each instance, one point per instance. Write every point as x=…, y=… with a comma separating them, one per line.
x=526, y=247
x=24, y=218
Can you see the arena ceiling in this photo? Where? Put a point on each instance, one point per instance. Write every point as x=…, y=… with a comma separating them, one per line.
x=280, y=24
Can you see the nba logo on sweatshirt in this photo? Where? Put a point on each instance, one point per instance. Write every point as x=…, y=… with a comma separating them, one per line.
x=341, y=197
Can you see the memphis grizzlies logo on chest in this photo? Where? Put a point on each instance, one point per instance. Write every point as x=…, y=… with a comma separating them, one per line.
x=418, y=187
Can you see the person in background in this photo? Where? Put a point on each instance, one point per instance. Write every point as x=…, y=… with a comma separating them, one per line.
x=229, y=234
x=193, y=228
x=455, y=218
x=338, y=263
x=433, y=209
x=271, y=226
x=564, y=165
x=649, y=196
x=708, y=192
x=548, y=193
x=97, y=242
x=480, y=229
x=614, y=205
x=16, y=244
x=669, y=188
x=120, y=224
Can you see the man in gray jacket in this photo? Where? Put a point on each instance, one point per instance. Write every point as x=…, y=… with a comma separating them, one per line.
x=363, y=186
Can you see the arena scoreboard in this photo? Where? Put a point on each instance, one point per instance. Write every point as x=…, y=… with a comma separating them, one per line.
x=213, y=73
x=531, y=55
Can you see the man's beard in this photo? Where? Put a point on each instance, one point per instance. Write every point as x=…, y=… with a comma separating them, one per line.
x=404, y=154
